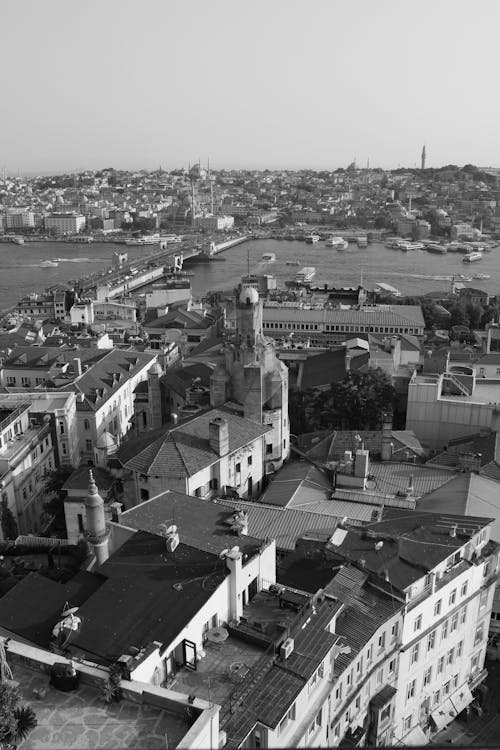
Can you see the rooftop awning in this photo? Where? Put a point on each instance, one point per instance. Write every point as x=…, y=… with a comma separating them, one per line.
x=443, y=715
x=461, y=698
x=415, y=738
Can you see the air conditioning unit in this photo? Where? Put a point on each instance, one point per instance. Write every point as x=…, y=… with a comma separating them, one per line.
x=287, y=648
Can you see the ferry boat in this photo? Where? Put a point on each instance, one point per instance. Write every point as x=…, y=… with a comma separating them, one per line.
x=406, y=246
x=362, y=241
x=15, y=239
x=382, y=288
x=269, y=257
x=49, y=264
x=434, y=247
x=311, y=238
x=393, y=243
x=305, y=274
x=338, y=242
x=83, y=239
x=472, y=257
x=153, y=239
x=481, y=276
x=293, y=263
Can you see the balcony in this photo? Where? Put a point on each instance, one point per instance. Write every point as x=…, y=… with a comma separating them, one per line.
x=477, y=678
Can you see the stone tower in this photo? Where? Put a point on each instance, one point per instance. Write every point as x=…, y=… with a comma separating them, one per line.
x=253, y=376
x=97, y=532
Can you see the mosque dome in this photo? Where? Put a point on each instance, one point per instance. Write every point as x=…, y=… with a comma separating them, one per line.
x=249, y=296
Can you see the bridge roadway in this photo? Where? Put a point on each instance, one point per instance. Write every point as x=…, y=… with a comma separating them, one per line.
x=151, y=267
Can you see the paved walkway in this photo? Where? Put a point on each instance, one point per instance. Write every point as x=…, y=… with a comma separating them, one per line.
x=81, y=720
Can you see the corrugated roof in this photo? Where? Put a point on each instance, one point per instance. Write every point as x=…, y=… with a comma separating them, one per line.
x=397, y=315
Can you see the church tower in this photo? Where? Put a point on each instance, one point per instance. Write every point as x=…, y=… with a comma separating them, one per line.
x=422, y=159
x=253, y=376
x=97, y=533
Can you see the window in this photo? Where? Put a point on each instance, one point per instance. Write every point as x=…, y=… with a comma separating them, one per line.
x=414, y=653
x=452, y=599
x=11, y=380
x=144, y=494
x=385, y=714
x=431, y=640
x=483, y=598
x=437, y=608
x=444, y=630
x=417, y=625
x=25, y=380
x=249, y=461
x=369, y=654
x=463, y=590
x=80, y=523
x=238, y=468
x=407, y=723
x=436, y=697
x=269, y=448
x=381, y=641
x=446, y=687
x=455, y=681
x=410, y=690
x=463, y=615
x=61, y=428
x=479, y=633
x=450, y=656
x=394, y=631
x=88, y=445
x=359, y=668
x=380, y=676
x=336, y=731
x=427, y=676
x=440, y=664
x=392, y=667
x=475, y=661
x=460, y=648
x=338, y=693
x=86, y=424
x=454, y=622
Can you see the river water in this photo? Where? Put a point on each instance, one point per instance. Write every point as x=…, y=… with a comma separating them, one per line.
x=415, y=272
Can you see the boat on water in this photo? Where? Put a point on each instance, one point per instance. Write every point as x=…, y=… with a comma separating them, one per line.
x=362, y=241
x=15, y=239
x=393, y=243
x=293, y=263
x=302, y=277
x=337, y=242
x=406, y=246
x=472, y=257
x=49, y=264
x=311, y=238
x=153, y=239
x=81, y=239
x=434, y=247
x=481, y=276
x=269, y=257
x=462, y=277
x=383, y=288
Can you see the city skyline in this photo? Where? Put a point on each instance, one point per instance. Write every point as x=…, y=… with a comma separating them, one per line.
x=277, y=85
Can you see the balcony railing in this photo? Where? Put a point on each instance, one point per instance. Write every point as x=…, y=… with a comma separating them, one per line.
x=477, y=678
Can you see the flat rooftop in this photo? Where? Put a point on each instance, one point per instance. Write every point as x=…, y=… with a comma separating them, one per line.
x=81, y=719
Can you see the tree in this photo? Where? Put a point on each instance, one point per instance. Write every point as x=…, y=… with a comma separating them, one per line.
x=459, y=316
x=8, y=522
x=55, y=504
x=16, y=720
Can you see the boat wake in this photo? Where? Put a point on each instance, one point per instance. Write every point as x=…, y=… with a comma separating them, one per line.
x=419, y=275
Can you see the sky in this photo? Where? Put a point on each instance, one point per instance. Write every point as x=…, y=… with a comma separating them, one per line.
x=277, y=84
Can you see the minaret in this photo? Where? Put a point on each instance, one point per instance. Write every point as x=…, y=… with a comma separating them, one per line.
x=97, y=533
x=422, y=159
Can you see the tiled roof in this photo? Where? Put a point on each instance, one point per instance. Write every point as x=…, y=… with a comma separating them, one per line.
x=107, y=375
x=45, y=357
x=329, y=367
x=285, y=525
x=390, y=478
x=395, y=315
x=185, y=450
x=297, y=477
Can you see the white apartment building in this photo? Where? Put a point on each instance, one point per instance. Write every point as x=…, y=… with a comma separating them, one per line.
x=64, y=223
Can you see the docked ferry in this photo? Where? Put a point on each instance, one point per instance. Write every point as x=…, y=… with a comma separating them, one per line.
x=337, y=242
x=311, y=238
x=472, y=257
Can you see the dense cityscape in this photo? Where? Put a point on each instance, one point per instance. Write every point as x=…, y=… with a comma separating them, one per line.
x=265, y=514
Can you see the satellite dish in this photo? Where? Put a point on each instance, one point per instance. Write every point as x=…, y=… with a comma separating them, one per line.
x=223, y=553
x=235, y=550
x=171, y=529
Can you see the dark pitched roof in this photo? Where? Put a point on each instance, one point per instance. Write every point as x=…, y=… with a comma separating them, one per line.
x=203, y=525
x=150, y=594
x=329, y=367
x=79, y=479
x=184, y=450
x=297, y=477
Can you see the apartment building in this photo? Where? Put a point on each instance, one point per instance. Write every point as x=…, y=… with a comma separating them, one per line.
x=65, y=223
x=26, y=456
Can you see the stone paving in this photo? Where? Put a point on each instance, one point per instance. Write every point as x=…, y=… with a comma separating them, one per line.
x=81, y=720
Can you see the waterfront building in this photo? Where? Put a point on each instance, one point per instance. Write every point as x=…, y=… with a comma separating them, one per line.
x=45, y=306
x=65, y=223
x=19, y=218
x=325, y=326
x=214, y=223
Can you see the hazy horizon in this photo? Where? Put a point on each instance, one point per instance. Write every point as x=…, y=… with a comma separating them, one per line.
x=276, y=84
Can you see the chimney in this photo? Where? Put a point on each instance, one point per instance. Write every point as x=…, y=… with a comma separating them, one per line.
x=386, y=450
x=218, y=435
x=77, y=365
x=410, y=488
x=361, y=464
x=347, y=361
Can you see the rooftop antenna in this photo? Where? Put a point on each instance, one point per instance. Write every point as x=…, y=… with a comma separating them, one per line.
x=248, y=261
x=361, y=277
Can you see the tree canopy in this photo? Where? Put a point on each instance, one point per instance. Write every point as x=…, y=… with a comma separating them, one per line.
x=356, y=403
